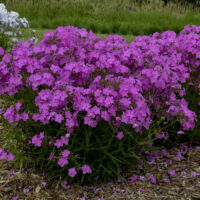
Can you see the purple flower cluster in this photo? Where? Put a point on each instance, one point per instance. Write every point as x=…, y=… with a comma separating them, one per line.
x=12, y=113
x=86, y=169
x=63, y=159
x=37, y=139
x=109, y=79
x=72, y=71
x=4, y=155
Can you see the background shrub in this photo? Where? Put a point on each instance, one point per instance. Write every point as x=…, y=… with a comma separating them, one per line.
x=10, y=25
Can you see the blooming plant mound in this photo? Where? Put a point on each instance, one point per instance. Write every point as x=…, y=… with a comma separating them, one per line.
x=10, y=25
x=87, y=107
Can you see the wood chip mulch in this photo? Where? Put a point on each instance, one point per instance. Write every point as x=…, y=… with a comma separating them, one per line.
x=185, y=184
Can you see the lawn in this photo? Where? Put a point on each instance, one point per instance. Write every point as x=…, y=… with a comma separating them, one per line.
x=105, y=16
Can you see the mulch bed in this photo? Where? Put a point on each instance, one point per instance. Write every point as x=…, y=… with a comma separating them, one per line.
x=185, y=184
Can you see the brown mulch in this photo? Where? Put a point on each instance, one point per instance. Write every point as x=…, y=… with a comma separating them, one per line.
x=27, y=185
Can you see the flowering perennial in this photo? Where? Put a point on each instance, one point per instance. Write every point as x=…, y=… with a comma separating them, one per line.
x=78, y=78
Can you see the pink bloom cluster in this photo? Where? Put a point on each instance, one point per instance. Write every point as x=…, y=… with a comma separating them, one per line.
x=63, y=159
x=60, y=142
x=86, y=169
x=109, y=79
x=12, y=113
x=73, y=71
x=37, y=139
x=72, y=172
x=4, y=155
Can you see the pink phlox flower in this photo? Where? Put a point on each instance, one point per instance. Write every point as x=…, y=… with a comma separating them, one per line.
x=18, y=106
x=65, y=140
x=166, y=180
x=62, y=161
x=194, y=174
x=10, y=157
x=72, y=172
x=65, y=153
x=26, y=190
x=120, y=135
x=86, y=169
x=123, y=190
x=179, y=156
x=141, y=190
x=42, y=135
x=59, y=118
x=37, y=139
x=3, y=155
x=44, y=184
x=172, y=172
x=153, y=180
x=133, y=179
x=142, y=178
x=10, y=114
x=58, y=143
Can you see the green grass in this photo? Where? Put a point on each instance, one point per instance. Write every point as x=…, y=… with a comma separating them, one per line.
x=40, y=33
x=106, y=16
x=27, y=33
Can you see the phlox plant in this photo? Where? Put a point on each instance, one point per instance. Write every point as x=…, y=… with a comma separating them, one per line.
x=10, y=26
x=84, y=108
